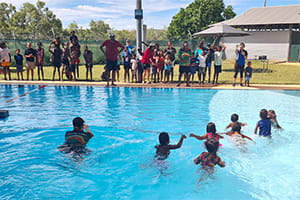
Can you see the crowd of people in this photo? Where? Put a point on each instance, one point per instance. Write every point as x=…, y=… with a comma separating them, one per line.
x=154, y=65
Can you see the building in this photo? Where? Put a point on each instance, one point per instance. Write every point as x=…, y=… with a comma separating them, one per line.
x=275, y=33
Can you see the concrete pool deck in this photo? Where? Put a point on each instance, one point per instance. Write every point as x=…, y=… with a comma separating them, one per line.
x=154, y=85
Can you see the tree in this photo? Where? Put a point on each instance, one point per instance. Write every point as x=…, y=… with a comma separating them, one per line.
x=196, y=17
x=99, y=29
x=6, y=13
x=229, y=13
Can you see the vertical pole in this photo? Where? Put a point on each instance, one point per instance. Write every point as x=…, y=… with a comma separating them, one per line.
x=139, y=26
x=144, y=36
x=265, y=4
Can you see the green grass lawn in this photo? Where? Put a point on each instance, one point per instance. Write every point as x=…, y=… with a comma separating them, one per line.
x=277, y=73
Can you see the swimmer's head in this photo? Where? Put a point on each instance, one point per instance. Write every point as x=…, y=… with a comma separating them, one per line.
x=78, y=122
x=211, y=128
x=263, y=114
x=164, y=138
x=234, y=117
x=236, y=127
x=271, y=114
x=212, y=145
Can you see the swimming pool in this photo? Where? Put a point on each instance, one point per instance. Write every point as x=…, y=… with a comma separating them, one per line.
x=126, y=123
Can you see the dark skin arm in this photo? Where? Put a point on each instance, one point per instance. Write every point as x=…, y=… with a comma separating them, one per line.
x=203, y=137
x=179, y=144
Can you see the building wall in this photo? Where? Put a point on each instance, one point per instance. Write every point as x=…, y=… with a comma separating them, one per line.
x=275, y=45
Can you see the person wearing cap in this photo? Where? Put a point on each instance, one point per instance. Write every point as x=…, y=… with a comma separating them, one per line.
x=76, y=140
x=112, y=49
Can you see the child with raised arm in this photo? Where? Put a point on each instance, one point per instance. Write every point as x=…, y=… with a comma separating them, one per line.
x=202, y=67
x=209, y=159
x=264, y=125
x=76, y=140
x=210, y=133
x=163, y=148
x=234, y=119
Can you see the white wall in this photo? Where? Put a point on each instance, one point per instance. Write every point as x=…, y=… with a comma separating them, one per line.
x=275, y=45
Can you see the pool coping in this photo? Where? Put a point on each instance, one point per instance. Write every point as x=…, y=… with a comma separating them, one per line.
x=155, y=85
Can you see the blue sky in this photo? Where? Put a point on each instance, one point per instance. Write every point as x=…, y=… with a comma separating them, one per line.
x=119, y=13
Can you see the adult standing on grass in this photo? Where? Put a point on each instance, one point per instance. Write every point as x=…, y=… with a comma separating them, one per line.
x=30, y=55
x=242, y=55
x=112, y=49
x=147, y=61
x=56, y=60
x=184, y=55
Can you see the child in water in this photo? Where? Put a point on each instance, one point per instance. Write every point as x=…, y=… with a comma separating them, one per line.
x=210, y=133
x=163, y=148
x=235, y=118
x=272, y=116
x=264, y=125
x=76, y=140
x=209, y=159
x=236, y=134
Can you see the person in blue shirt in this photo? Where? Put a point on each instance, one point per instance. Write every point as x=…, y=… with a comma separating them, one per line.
x=248, y=73
x=264, y=125
x=19, y=64
x=242, y=55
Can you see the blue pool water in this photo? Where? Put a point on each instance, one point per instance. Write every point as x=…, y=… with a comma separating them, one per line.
x=126, y=123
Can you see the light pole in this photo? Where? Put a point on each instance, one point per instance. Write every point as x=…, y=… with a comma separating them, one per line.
x=265, y=4
x=138, y=14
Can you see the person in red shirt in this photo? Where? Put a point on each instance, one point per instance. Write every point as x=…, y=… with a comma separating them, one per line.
x=112, y=49
x=147, y=61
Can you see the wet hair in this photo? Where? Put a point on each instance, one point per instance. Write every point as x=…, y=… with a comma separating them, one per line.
x=78, y=122
x=263, y=114
x=234, y=117
x=212, y=145
x=164, y=138
x=211, y=128
x=236, y=127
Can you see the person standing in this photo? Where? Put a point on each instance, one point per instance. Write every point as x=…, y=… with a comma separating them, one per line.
x=184, y=56
x=218, y=54
x=19, y=64
x=147, y=61
x=88, y=58
x=112, y=49
x=30, y=55
x=171, y=51
x=57, y=59
x=242, y=55
x=210, y=54
x=5, y=60
x=39, y=60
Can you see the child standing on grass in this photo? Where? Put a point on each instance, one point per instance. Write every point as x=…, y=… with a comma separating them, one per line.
x=88, y=58
x=168, y=65
x=248, y=73
x=202, y=67
x=193, y=66
x=163, y=148
x=5, y=60
x=126, y=62
x=264, y=124
x=218, y=54
x=19, y=64
x=134, y=67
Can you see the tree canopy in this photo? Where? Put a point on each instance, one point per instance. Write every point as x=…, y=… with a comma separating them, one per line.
x=196, y=17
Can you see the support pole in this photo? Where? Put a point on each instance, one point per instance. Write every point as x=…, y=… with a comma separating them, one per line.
x=139, y=18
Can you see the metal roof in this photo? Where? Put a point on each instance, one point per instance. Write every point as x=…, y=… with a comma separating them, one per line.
x=268, y=17
x=221, y=30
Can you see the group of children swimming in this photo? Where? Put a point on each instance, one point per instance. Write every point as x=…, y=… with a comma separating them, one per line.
x=77, y=139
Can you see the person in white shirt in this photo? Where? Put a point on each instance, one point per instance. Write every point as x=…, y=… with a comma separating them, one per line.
x=218, y=54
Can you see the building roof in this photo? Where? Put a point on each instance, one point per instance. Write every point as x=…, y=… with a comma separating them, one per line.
x=221, y=30
x=282, y=17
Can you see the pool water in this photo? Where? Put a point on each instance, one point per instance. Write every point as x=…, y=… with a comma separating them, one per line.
x=126, y=123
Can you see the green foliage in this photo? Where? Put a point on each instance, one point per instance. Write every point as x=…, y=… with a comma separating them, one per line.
x=196, y=17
